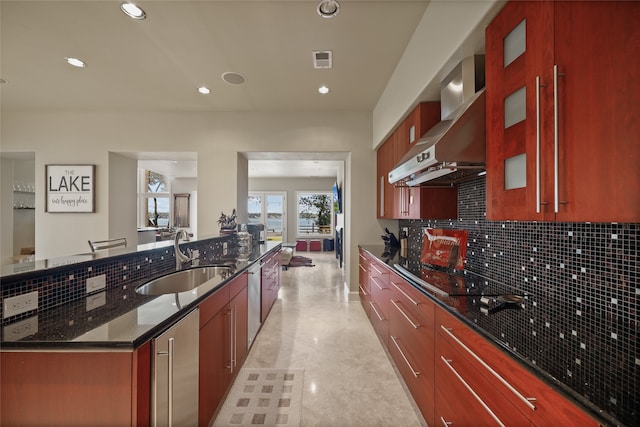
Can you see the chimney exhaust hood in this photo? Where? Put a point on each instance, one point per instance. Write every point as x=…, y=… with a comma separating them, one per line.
x=455, y=147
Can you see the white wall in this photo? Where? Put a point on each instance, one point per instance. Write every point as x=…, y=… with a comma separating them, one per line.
x=88, y=137
x=123, y=200
x=184, y=185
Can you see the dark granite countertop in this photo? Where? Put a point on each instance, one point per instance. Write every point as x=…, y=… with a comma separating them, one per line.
x=473, y=299
x=118, y=319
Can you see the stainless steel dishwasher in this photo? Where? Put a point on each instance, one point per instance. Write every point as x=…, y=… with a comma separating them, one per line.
x=175, y=374
x=254, y=302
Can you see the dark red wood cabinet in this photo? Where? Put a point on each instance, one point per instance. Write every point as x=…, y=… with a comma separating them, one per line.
x=398, y=201
x=76, y=388
x=214, y=363
x=563, y=97
x=386, y=204
x=363, y=282
x=411, y=342
x=223, y=344
x=379, y=301
x=478, y=383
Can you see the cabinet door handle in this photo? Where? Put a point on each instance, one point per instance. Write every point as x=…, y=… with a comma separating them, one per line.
x=234, y=331
x=445, y=423
x=413, y=371
x=376, y=311
x=537, y=144
x=171, y=359
x=363, y=291
x=170, y=355
x=376, y=283
x=374, y=267
x=555, y=139
x=526, y=400
x=414, y=302
x=362, y=268
x=230, y=314
x=405, y=315
x=556, y=143
x=362, y=256
x=472, y=391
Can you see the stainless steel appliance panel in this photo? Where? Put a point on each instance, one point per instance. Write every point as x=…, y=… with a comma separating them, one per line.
x=175, y=374
x=254, y=303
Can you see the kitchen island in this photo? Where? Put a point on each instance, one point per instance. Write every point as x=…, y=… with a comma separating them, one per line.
x=88, y=360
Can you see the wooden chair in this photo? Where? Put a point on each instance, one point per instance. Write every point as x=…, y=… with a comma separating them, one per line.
x=97, y=245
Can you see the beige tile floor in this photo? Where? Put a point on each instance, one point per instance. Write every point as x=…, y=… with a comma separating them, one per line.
x=349, y=380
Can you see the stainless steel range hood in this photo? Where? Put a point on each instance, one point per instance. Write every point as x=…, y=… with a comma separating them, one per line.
x=456, y=146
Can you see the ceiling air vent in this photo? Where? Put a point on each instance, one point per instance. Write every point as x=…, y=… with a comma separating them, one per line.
x=322, y=59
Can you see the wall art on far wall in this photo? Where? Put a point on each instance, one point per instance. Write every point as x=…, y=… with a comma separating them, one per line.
x=70, y=188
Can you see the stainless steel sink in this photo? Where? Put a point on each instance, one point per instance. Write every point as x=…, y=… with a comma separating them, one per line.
x=184, y=280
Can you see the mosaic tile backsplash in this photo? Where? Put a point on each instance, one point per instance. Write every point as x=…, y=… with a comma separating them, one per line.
x=65, y=284
x=585, y=278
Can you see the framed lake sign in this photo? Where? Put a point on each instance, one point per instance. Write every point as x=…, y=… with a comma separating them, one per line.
x=70, y=188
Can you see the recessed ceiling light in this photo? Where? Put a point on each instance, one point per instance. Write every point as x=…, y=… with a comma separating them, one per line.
x=132, y=10
x=323, y=90
x=75, y=62
x=328, y=8
x=204, y=90
x=233, y=78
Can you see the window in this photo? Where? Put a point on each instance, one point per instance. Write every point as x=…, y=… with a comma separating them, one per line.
x=153, y=199
x=269, y=209
x=315, y=213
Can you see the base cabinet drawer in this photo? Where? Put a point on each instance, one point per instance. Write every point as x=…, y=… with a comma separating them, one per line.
x=506, y=386
x=379, y=322
x=415, y=371
x=460, y=380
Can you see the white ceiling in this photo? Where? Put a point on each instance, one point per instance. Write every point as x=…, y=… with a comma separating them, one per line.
x=158, y=63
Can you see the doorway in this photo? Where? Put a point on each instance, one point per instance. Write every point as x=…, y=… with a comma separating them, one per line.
x=269, y=208
x=18, y=190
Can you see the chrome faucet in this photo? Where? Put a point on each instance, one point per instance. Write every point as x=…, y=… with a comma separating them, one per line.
x=180, y=257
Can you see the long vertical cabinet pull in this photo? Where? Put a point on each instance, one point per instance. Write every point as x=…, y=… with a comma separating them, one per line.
x=537, y=144
x=170, y=382
x=231, y=334
x=472, y=391
x=556, y=206
x=526, y=400
x=170, y=354
x=235, y=337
